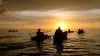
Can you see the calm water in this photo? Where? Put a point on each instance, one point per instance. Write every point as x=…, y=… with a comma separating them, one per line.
x=19, y=44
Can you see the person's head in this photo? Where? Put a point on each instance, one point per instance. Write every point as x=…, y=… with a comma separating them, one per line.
x=65, y=32
x=59, y=27
x=39, y=29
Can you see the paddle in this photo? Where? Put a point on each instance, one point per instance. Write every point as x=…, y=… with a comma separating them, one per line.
x=35, y=33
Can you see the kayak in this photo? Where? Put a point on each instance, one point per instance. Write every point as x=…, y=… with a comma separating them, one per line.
x=81, y=32
x=70, y=31
x=43, y=37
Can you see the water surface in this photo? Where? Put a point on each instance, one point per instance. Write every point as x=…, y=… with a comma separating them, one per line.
x=19, y=44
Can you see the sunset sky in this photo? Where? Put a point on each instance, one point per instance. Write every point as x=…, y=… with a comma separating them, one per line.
x=49, y=14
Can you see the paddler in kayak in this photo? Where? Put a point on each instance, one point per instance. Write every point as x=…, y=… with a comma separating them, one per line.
x=39, y=39
x=59, y=38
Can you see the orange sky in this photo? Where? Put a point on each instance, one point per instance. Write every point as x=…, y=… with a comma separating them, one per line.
x=50, y=19
x=49, y=14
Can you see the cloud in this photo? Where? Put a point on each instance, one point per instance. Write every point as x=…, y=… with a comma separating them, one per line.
x=50, y=17
x=42, y=12
x=51, y=4
x=36, y=16
x=2, y=11
x=0, y=2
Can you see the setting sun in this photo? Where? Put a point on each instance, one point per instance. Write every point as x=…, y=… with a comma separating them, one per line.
x=61, y=24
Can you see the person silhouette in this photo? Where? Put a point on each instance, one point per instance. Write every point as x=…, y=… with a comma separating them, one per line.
x=65, y=35
x=39, y=39
x=58, y=40
x=69, y=31
x=82, y=31
x=79, y=31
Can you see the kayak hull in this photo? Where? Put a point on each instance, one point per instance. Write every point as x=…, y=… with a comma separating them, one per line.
x=44, y=37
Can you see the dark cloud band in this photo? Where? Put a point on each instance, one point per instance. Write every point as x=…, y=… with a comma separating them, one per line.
x=51, y=4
